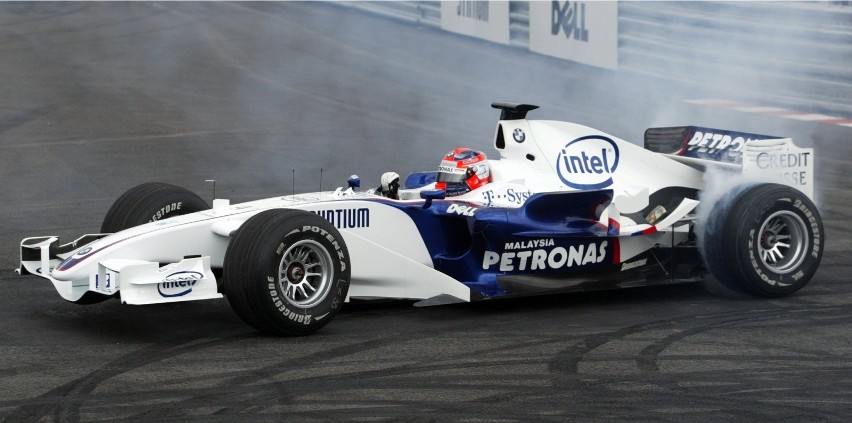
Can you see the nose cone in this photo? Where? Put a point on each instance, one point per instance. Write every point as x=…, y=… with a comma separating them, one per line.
x=78, y=272
x=77, y=267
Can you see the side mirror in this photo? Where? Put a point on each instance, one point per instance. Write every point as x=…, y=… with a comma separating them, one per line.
x=430, y=195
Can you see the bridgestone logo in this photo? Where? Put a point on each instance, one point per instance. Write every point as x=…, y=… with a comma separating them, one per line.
x=282, y=307
x=814, y=227
x=166, y=210
x=635, y=264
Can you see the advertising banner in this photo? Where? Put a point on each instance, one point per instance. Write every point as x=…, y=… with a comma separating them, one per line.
x=488, y=20
x=582, y=31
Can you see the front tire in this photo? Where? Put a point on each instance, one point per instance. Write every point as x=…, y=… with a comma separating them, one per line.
x=142, y=204
x=149, y=202
x=286, y=272
x=764, y=239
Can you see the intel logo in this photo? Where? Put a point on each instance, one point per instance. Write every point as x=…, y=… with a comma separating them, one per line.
x=178, y=284
x=588, y=162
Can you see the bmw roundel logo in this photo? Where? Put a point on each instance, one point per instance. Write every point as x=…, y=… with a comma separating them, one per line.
x=84, y=251
x=518, y=134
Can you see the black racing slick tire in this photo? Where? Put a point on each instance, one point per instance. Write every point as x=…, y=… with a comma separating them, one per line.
x=286, y=272
x=150, y=202
x=764, y=239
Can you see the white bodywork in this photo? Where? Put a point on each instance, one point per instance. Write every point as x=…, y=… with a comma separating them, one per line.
x=172, y=259
x=405, y=271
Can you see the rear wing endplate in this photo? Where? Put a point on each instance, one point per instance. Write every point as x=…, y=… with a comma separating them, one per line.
x=758, y=157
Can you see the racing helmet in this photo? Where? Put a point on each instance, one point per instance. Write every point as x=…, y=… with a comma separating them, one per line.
x=461, y=171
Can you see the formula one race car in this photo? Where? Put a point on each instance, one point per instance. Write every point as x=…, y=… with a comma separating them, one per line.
x=566, y=207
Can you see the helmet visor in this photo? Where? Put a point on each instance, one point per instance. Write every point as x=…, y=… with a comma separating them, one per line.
x=448, y=172
x=452, y=178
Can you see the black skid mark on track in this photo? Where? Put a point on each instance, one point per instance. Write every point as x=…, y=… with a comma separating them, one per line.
x=63, y=403
x=246, y=393
x=646, y=384
x=243, y=392
x=647, y=359
x=568, y=361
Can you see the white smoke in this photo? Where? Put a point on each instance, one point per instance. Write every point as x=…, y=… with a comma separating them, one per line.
x=721, y=186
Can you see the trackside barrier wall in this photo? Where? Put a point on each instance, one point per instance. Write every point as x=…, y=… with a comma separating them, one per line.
x=805, y=47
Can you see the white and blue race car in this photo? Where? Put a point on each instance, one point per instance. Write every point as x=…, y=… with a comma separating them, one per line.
x=565, y=207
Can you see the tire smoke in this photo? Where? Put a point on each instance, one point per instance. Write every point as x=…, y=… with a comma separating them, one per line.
x=721, y=186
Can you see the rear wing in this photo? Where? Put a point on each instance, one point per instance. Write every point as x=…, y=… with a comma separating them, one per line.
x=757, y=156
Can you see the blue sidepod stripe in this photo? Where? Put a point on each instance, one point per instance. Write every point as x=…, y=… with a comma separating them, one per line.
x=551, y=234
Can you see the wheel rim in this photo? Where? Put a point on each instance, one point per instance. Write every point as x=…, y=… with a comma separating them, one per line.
x=783, y=242
x=305, y=273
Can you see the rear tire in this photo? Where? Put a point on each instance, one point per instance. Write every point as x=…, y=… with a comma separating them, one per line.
x=150, y=202
x=286, y=272
x=765, y=240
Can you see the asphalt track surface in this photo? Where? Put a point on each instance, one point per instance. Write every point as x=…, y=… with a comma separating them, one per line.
x=99, y=97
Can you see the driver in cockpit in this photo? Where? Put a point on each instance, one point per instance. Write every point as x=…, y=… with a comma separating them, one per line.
x=461, y=170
